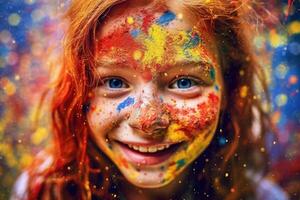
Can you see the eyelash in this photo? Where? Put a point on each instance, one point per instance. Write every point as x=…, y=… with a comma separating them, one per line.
x=106, y=83
x=193, y=82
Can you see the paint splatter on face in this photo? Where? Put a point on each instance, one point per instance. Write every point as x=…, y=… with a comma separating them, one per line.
x=159, y=102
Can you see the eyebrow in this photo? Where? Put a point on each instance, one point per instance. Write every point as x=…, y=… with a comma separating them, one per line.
x=200, y=68
x=181, y=63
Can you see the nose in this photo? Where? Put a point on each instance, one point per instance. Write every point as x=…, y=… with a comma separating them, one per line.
x=149, y=117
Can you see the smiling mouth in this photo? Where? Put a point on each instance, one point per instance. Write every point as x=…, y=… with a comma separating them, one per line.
x=147, y=154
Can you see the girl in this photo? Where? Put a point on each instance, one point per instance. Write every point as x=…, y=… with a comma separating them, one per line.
x=155, y=100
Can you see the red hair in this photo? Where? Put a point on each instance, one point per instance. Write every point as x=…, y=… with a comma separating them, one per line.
x=75, y=155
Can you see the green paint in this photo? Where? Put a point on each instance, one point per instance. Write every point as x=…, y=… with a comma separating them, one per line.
x=212, y=73
x=180, y=163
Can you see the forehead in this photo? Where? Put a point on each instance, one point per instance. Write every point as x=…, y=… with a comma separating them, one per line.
x=143, y=11
x=152, y=33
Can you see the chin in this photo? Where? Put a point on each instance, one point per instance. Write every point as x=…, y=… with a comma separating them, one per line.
x=145, y=179
x=148, y=184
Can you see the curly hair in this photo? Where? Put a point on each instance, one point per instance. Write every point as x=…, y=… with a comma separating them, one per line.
x=79, y=169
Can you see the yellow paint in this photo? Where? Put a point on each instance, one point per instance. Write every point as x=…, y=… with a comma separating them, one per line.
x=174, y=134
x=195, y=148
x=137, y=55
x=294, y=27
x=154, y=45
x=170, y=173
x=130, y=20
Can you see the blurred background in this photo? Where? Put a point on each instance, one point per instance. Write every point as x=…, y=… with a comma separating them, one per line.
x=28, y=27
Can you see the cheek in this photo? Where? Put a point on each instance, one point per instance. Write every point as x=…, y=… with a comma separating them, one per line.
x=194, y=119
x=104, y=114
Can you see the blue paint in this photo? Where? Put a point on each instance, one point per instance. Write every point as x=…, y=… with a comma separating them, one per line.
x=193, y=41
x=166, y=18
x=127, y=102
x=161, y=99
x=135, y=32
x=216, y=87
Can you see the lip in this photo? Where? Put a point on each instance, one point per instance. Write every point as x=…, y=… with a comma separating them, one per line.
x=147, y=158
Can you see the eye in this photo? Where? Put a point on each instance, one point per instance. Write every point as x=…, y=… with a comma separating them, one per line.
x=115, y=83
x=183, y=83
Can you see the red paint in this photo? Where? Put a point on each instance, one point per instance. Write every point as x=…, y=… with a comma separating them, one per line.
x=120, y=46
x=147, y=22
x=147, y=75
x=193, y=119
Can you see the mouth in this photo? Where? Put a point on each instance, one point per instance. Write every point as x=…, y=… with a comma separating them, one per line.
x=145, y=154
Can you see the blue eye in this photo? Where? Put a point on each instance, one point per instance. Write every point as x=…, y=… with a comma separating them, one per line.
x=183, y=83
x=115, y=83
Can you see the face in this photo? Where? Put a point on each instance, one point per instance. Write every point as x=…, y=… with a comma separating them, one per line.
x=157, y=103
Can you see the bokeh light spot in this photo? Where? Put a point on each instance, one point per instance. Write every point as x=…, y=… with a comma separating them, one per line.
x=8, y=86
x=281, y=100
x=39, y=135
x=14, y=19
x=294, y=27
x=29, y=2
x=281, y=71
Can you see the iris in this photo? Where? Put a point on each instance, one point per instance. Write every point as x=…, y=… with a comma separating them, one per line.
x=184, y=83
x=115, y=83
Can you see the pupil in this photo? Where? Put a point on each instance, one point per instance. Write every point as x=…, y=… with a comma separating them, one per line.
x=184, y=83
x=115, y=83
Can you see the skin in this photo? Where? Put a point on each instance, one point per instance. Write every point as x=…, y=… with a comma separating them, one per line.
x=151, y=48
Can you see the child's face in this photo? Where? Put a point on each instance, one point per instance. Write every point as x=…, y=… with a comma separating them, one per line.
x=157, y=103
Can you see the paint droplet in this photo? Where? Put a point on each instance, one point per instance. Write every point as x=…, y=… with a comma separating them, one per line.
x=130, y=20
x=166, y=18
x=216, y=87
x=127, y=102
x=137, y=55
x=180, y=163
x=212, y=73
x=135, y=32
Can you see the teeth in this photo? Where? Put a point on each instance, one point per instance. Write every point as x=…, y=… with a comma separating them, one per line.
x=150, y=149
